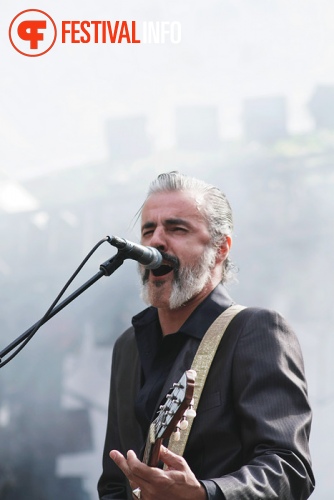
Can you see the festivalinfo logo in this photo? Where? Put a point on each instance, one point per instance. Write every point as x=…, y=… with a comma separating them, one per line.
x=33, y=32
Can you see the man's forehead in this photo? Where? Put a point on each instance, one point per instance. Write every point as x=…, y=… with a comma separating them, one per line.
x=178, y=205
x=176, y=199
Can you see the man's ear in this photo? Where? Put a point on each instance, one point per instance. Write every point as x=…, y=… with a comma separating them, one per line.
x=224, y=249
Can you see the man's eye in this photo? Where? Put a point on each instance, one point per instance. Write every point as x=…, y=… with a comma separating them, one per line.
x=147, y=233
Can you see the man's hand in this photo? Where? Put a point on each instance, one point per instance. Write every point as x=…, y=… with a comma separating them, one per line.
x=177, y=482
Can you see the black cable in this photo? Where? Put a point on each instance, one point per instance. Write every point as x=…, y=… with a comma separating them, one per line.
x=54, y=303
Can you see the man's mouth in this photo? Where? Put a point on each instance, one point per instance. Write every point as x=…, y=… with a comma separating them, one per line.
x=162, y=270
x=171, y=263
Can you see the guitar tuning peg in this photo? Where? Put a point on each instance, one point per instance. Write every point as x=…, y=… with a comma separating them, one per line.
x=177, y=434
x=184, y=424
x=190, y=412
x=193, y=373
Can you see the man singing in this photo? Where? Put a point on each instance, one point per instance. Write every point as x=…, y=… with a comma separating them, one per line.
x=249, y=439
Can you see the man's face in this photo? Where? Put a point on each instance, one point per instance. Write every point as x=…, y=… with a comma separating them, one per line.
x=172, y=223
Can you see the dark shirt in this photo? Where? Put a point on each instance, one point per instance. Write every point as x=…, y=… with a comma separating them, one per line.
x=158, y=353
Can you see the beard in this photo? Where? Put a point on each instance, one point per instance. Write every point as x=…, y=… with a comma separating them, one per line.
x=188, y=280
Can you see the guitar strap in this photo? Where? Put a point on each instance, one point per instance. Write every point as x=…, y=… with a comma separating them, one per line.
x=202, y=363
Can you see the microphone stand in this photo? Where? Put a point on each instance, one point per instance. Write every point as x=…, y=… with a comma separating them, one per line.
x=106, y=269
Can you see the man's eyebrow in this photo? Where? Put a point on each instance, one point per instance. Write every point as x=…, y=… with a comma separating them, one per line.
x=167, y=222
x=148, y=225
x=177, y=221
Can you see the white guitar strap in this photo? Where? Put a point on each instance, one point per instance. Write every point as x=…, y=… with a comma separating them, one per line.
x=202, y=363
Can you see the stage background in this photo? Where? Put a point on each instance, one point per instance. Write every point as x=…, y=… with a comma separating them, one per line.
x=244, y=101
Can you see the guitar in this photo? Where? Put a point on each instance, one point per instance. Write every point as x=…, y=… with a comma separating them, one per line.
x=172, y=417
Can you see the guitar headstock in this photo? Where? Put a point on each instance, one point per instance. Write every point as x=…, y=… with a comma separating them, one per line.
x=176, y=408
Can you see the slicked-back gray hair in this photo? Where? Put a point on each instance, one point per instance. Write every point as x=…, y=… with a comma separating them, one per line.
x=212, y=203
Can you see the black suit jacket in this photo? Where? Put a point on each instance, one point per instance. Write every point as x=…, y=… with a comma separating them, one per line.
x=249, y=439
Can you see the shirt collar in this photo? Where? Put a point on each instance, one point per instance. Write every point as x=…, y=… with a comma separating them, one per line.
x=197, y=323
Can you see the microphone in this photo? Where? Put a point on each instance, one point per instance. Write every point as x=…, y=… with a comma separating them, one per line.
x=149, y=257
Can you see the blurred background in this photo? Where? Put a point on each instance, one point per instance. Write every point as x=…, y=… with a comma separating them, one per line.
x=245, y=101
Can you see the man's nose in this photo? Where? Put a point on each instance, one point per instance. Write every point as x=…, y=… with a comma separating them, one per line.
x=158, y=239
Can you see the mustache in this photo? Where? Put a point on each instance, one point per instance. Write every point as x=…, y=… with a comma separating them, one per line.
x=167, y=258
x=170, y=258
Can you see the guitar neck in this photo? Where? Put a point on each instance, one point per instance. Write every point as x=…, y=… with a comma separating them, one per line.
x=152, y=448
